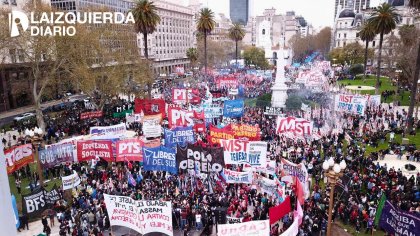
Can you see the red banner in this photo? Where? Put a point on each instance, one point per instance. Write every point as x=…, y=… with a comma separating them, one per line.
x=277, y=212
x=129, y=150
x=91, y=114
x=18, y=157
x=217, y=134
x=182, y=96
x=248, y=132
x=150, y=107
x=179, y=117
x=227, y=82
x=88, y=150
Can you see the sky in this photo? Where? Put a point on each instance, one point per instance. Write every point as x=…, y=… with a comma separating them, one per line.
x=319, y=13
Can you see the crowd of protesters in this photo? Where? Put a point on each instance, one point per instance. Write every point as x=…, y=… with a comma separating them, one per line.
x=196, y=202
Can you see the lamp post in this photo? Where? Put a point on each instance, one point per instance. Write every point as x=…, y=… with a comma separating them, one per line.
x=36, y=140
x=333, y=171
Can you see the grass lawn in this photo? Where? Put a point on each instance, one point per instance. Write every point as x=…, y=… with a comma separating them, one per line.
x=24, y=186
x=386, y=85
x=398, y=138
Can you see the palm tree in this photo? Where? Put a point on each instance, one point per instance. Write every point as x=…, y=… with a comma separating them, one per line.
x=205, y=24
x=383, y=20
x=192, y=55
x=367, y=34
x=416, y=5
x=236, y=33
x=147, y=19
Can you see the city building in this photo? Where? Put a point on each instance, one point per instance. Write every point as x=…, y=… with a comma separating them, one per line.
x=270, y=29
x=357, y=5
x=348, y=24
x=173, y=36
x=221, y=29
x=239, y=11
x=250, y=32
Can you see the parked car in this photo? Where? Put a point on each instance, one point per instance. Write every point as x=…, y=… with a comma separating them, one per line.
x=24, y=116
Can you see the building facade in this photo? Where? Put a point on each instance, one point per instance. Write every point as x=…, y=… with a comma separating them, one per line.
x=167, y=46
x=239, y=11
x=356, y=5
x=348, y=24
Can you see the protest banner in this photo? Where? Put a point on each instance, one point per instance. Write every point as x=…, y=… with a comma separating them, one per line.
x=226, y=82
x=18, y=157
x=70, y=181
x=217, y=134
x=354, y=104
x=156, y=216
x=234, y=177
x=288, y=168
x=237, y=152
x=249, y=132
x=90, y=149
x=250, y=228
x=266, y=185
x=122, y=113
x=113, y=130
x=183, y=96
x=273, y=111
x=133, y=118
x=141, y=216
x=234, y=220
x=212, y=111
x=123, y=211
x=373, y=100
x=296, y=126
x=179, y=135
x=129, y=150
x=150, y=107
x=233, y=108
x=399, y=222
x=205, y=159
x=91, y=114
x=151, y=143
x=178, y=117
x=33, y=204
x=277, y=212
x=151, y=126
x=52, y=196
x=159, y=159
x=55, y=155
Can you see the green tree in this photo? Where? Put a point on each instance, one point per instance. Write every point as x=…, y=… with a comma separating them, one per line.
x=147, y=19
x=352, y=53
x=383, y=20
x=205, y=24
x=255, y=56
x=236, y=33
x=415, y=4
x=192, y=55
x=367, y=34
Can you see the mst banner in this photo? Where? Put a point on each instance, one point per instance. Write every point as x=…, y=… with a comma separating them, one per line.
x=296, y=126
x=233, y=108
x=159, y=159
x=18, y=157
x=90, y=149
x=234, y=177
x=129, y=150
x=206, y=159
x=399, y=222
x=251, y=228
x=56, y=154
x=355, y=104
x=179, y=135
x=237, y=152
x=142, y=216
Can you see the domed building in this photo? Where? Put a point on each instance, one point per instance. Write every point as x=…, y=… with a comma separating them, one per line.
x=348, y=24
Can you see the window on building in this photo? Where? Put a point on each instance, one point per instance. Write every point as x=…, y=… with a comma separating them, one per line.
x=373, y=43
x=344, y=44
x=345, y=35
x=12, y=54
x=339, y=35
x=263, y=31
x=21, y=55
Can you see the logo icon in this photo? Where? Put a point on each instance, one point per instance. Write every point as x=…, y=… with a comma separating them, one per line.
x=18, y=23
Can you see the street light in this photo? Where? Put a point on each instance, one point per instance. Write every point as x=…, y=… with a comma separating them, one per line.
x=36, y=140
x=333, y=171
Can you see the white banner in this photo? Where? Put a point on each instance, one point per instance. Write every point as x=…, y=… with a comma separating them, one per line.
x=70, y=181
x=251, y=228
x=293, y=229
x=296, y=170
x=151, y=126
x=237, y=152
x=234, y=177
x=142, y=216
x=296, y=126
x=108, y=130
x=266, y=185
x=354, y=104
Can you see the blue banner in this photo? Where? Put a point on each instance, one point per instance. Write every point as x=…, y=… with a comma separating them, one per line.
x=396, y=221
x=179, y=135
x=15, y=210
x=159, y=159
x=233, y=108
x=212, y=111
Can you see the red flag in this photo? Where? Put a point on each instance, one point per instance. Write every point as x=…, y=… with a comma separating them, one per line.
x=299, y=191
x=277, y=212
